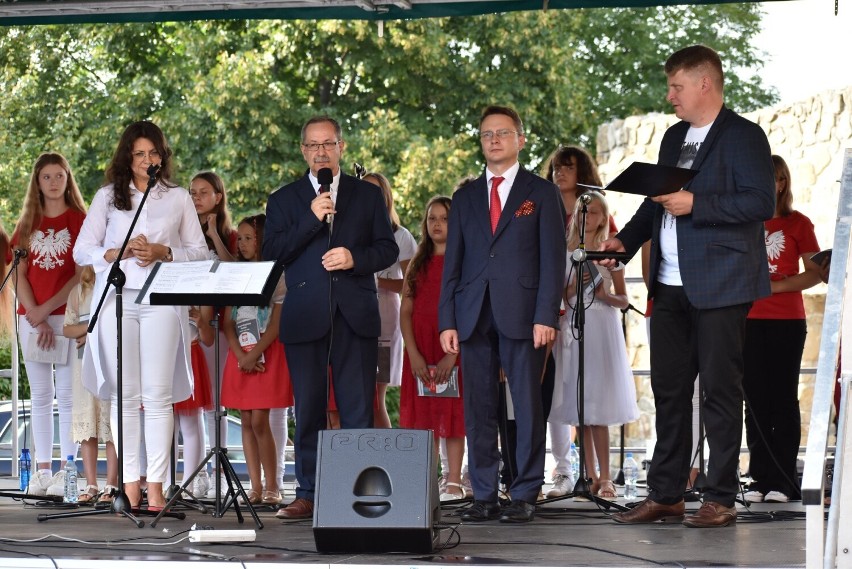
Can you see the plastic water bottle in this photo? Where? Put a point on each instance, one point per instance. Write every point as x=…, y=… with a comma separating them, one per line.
x=71, y=489
x=24, y=465
x=631, y=475
x=573, y=464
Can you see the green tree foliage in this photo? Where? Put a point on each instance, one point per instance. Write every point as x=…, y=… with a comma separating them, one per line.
x=232, y=95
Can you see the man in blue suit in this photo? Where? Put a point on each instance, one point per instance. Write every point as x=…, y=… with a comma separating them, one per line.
x=708, y=264
x=504, y=270
x=331, y=243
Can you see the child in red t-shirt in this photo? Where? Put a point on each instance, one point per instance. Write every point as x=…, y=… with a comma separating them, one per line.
x=47, y=229
x=774, y=342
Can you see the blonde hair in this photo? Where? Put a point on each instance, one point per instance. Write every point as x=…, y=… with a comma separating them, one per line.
x=600, y=234
x=33, y=211
x=387, y=194
x=87, y=278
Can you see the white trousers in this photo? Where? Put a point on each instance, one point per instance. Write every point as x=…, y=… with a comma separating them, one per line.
x=560, y=445
x=191, y=427
x=41, y=377
x=150, y=346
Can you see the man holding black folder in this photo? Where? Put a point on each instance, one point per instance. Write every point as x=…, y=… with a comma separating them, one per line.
x=708, y=264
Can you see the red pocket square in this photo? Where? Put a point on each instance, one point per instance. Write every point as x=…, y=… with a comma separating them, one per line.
x=526, y=208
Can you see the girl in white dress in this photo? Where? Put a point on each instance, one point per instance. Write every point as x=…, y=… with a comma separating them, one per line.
x=609, y=390
x=389, y=286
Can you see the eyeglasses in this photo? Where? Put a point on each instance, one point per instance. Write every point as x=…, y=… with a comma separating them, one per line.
x=153, y=155
x=501, y=134
x=314, y=146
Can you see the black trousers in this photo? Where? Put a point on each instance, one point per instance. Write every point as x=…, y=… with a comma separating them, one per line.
x=686, y=341
x=773, y=359
x=482, y=356
x=353, y=360
x=509, y=430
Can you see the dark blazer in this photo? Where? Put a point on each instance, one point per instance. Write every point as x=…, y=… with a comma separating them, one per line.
x=721, y=244
x=522, y=265
x=296, y=238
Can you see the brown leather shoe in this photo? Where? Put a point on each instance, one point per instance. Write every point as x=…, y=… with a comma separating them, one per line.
x=299, y=509
x=711, y=515
x=649, y=511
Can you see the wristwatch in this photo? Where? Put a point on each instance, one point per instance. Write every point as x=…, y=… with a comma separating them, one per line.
x=169, y=257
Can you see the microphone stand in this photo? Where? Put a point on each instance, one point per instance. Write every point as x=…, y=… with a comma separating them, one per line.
x=120, y=503
x=578, y=259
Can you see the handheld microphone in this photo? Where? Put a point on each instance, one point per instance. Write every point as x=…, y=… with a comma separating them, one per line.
x=153, y=169
x=325, y=177
x=20, y=253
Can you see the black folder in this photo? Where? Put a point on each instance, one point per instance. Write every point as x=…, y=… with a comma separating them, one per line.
x=650, y=180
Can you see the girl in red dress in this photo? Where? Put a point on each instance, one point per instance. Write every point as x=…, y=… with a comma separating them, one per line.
x=256, y=376
x=425, y=363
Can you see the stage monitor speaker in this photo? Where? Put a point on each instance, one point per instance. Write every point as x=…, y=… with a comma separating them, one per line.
x=376, y=491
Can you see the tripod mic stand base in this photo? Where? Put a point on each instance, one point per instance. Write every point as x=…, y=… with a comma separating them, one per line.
x=120, y=506
x=180, y=495
x=583, y=492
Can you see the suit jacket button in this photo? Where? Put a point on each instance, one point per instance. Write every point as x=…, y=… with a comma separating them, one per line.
x=334, y=279
x=492, y=254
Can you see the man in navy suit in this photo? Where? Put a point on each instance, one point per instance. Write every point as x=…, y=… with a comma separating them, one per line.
x=708, y=264
x=504, y=270
x=331, y=244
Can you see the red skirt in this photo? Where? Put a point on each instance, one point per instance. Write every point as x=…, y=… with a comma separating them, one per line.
x=202, y=397
x=268, y=390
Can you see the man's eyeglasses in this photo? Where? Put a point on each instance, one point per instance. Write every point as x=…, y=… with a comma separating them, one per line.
x=153, y=155
x=314, y=146
x=501, y=134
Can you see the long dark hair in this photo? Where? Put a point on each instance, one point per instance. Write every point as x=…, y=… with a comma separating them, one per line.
x=223, y=216
x=426, y=247
x=257, y=222
x=119, y=173
x=587, y=170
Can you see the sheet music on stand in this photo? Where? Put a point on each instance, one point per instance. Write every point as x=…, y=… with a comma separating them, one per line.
x=211, y=283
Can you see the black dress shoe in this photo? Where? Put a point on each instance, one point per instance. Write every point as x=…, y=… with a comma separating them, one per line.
x=518, y=512
x=481, y=512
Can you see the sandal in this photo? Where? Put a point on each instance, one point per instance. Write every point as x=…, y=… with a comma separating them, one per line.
x=253, y=498
x=89, y=495
x=107, y=496
x=450, y=494
x=271, y=498
x=607, y=490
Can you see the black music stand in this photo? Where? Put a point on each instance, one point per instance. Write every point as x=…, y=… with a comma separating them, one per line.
x=217, y=284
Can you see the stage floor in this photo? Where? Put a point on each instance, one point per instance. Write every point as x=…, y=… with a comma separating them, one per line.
x=564, y=534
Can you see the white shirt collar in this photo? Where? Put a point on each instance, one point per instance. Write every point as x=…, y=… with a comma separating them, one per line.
x=335, y=184
x=508, y=176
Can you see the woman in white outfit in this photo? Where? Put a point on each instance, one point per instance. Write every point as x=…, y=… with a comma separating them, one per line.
x=156, y=356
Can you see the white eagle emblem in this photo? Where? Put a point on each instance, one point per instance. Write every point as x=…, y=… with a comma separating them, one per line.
x=774, y=247
x=48, y=248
